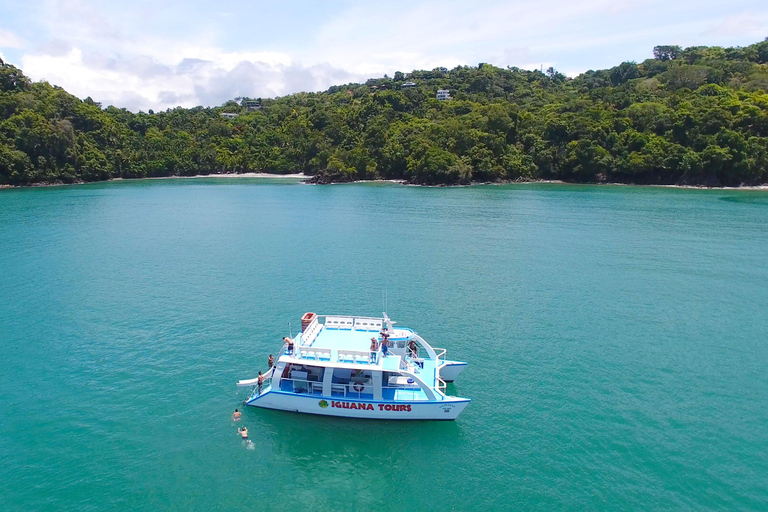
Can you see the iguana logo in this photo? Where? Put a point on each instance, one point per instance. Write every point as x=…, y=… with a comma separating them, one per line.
x=323, y=404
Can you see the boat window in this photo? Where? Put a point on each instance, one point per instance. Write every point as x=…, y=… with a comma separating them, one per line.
x=314, y=373
x=342, y=375
x=361, y=376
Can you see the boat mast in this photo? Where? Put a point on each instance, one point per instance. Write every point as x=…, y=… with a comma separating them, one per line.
x=388, y=324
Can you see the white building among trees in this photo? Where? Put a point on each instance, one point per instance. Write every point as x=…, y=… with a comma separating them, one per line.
x=443, y=94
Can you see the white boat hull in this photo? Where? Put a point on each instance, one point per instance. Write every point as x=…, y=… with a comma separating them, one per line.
x=451, y=370
x=355, y=408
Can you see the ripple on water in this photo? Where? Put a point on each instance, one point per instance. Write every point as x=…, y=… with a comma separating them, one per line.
x=614, y=335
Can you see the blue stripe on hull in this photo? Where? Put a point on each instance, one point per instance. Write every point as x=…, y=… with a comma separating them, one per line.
x=370, y=409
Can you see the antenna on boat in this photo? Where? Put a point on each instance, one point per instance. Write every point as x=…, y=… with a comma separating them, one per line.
x=384, y=299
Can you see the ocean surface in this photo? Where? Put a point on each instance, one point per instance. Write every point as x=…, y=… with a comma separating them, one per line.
x=617, y=340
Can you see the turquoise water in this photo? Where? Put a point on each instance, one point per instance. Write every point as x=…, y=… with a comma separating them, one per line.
x=616, y=338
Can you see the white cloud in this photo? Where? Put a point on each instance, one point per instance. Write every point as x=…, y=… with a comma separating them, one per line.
x=747, y=23
x=422, y=35
x=207, y=77
x=10, y=40
x=150, y=54
x=93, y=52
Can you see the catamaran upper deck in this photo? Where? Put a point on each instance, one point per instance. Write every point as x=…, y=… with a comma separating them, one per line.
x=347, y=340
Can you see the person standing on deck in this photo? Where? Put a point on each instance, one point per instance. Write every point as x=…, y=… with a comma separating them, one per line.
x=384, y=345
x=413, y=349
x=374, y=349
x=384, y=341
x=271, y=361
x=260, y=381
x=289, y=341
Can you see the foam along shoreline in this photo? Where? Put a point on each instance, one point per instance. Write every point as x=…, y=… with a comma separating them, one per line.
x=540, y=182
x=404, y=182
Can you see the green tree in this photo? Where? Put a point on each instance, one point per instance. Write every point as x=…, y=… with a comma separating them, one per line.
x=666, y=52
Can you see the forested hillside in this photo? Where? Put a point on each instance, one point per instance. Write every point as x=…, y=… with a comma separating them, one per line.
x=694, y=116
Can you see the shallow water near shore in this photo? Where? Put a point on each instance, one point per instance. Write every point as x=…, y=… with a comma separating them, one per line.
x=616, y=338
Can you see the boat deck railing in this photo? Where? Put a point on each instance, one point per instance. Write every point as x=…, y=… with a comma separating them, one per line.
x=354, y=323
x=341, y=323
x=328, y=354
x=265, y=386
x=310, y=333
x=439, y=352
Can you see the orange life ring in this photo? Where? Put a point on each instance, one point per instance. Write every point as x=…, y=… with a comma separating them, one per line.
x=358, y=386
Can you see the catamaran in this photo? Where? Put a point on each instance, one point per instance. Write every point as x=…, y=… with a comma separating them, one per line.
x=359, y=367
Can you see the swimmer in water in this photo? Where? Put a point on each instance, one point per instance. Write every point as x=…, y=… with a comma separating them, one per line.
x=236, y=415
x=243, y=432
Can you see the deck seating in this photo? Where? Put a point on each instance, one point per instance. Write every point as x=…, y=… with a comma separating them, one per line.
x=339, y=322
x=323, y=354
x=367, y=324
x=310, y=333
x=354, y=356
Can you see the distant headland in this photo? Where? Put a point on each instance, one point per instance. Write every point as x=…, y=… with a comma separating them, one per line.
x=696, y=116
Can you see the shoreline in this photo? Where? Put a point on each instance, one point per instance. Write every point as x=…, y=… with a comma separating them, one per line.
x=303, y=176
x=550, y=182
x=227, y=175
x=41, y=184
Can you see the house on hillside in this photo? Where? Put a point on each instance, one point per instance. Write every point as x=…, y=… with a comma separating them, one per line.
x=408, y=85
x=251, y=105
x=443, y=94
x=228, y=115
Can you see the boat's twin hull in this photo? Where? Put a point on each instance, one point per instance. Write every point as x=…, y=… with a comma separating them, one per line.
x=451, y=369
x=353, y=408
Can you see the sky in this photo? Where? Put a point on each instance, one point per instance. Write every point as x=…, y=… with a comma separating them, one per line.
x=158, y=54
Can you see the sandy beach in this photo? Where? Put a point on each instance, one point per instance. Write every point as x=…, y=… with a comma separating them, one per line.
x=230, y=175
